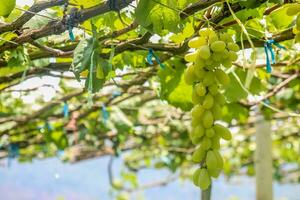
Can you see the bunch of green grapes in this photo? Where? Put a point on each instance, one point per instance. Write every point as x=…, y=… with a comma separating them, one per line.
x=205, y=73
x=291, y=11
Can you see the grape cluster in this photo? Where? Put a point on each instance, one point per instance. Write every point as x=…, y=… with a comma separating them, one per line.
x=204, y=72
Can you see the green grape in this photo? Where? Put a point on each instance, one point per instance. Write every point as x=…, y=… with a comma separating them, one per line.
x=210, y=132
x=213, y=89
x=198, y=131
x=190, y=57
x=200, y=89
x=199, y=62
x=197, y=42
x=208, y=101
x=211, y=160
x=225, y=55
x=226, y=38
x=226, y=63
x=196, y=177
x=220, y=99
x=207, y=119
x=219, y=158
x=222, y=77
x=218, y=46
x=217, y=111
x=215, y=142
x=195, y=122
x=217, y=56
x=233, y=47
x=209, y=78
x=214, y=172
x=195, y=140
x=206, y=32
x=208, y=63
x=293, y=10
x=199, y=71
x=212, y=39
x=189, y=75
x=204, y=179
x=196, y=99
x=197, y=111
x=198, y=155
x=205, y=143
x=232, y=56
x=222, y=131
x=204, y=52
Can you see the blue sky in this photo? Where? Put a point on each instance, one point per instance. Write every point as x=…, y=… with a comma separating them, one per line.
x=50, y=179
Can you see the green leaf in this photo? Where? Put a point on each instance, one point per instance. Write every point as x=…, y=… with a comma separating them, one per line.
x=173, y=87
x=160, y=15
x=6, y=7
x=82, y=56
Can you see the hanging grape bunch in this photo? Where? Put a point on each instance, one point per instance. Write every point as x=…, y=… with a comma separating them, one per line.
x=204, y=72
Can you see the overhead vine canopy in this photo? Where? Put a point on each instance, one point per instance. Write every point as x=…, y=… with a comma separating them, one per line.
x=96, y=78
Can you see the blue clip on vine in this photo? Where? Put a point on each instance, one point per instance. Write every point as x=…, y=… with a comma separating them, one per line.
x=66, y=110
x=268, y=46
x=105, y=114
x=150, y=55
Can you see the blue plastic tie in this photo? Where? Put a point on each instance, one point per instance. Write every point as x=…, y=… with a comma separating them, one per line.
x=48, y=126
x=269, y=48
x=66, y=110
x=105, y=114
x=71, y=34
x=116, y=94
x=151, y=55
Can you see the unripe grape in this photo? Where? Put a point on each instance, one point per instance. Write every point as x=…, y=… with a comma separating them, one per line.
x=199, y=71
x=226, y=38
x=221, y=131
x=218, y=46
x=212, y=39
x=217, y=111
x=209, y=78
x=204, y=179
x=197, y=42
x=211, y=160
x=189, y=75
x=195, y=122
x=198, y=131
x=214, y=172
x=190, y=57
x=210, y=132
x=195, y=140
x=215, y=142
x=227, y=63
x=297, y=38
x=198, y=155
x=205, y=143
x=219, y=158
x=208, y=119
x=205, y=32
x=220, y=99
x=232, y=56
x=222, y=77
x=199, y=62
x=204, y=52
x=196, y=99
x=213, y=89
x=196, y=177
x=233, y=47
x=197, y=111
x=200, y=89
x=208, y=101
x=217, y=56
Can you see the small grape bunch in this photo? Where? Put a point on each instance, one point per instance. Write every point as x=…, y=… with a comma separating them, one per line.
x=205, y=73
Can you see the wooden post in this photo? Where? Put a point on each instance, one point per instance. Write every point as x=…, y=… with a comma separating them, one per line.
x=263, y=160
x=206, y=194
